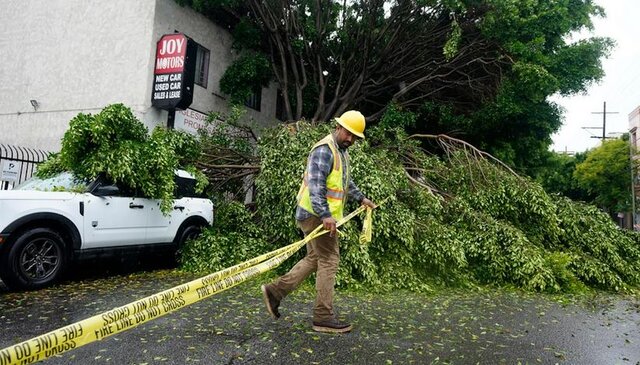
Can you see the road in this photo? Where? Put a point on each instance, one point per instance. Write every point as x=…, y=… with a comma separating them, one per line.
x=486, y=326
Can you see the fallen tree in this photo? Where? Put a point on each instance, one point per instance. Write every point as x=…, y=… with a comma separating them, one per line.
x=456, y=216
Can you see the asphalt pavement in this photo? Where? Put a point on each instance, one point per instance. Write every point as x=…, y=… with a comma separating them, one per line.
x=479, y=326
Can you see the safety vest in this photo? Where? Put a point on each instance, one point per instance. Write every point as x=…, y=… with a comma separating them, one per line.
x=336, y=187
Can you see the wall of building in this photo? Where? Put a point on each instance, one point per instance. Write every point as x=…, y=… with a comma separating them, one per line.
x=634, y=129
x=72, y=56
x=634, y=126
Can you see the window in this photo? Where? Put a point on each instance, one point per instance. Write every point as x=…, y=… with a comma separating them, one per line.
x=254, y=100
x=103, y=186
x=280, y=112
x=202, y=66
x=202, y=63
x=185, y=187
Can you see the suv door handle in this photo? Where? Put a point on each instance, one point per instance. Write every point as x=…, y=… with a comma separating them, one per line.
x=178, y=207
x=136, y=206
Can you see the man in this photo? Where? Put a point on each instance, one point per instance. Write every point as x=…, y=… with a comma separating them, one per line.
x=321, y=199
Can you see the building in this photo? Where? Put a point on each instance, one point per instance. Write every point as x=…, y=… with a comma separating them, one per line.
x=634, y=128
x=63, y=57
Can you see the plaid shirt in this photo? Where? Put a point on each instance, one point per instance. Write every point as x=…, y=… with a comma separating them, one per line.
x=319, y=166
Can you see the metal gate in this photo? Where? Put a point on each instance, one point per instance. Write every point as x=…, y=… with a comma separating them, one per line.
x=18, y=164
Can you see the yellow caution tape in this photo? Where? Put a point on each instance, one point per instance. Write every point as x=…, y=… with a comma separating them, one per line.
x=133, y=314
x=367, y=228
x=366, y=236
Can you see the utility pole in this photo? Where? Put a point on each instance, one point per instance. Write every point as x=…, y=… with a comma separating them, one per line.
x=604, y=113
x=633, y=184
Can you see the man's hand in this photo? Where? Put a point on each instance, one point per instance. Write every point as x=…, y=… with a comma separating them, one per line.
x=368, y=203
x=329, y=224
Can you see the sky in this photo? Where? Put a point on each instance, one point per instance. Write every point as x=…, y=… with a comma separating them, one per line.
x=619, y=88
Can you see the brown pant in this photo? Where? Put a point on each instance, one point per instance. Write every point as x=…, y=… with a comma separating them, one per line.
x=323, y=256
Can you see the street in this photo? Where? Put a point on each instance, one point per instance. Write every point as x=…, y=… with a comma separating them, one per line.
x=484, y=326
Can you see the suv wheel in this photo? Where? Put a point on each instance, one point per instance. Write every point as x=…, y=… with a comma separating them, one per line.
x=189, y=233
x=36, y=259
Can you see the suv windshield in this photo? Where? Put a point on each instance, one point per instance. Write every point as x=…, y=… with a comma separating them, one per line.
x=64, y=181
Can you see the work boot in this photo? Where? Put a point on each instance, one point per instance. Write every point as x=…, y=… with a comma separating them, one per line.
x=332, y=326
x=270, y=301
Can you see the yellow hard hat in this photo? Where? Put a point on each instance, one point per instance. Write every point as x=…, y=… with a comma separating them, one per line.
x=353, y=121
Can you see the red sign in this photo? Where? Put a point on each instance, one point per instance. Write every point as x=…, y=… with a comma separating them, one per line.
x=170, y=54
x=174, y=72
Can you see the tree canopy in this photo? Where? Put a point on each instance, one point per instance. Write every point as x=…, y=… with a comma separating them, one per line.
x=478, y=69
x=600, y=176
x=557, y=176
x=606, y=173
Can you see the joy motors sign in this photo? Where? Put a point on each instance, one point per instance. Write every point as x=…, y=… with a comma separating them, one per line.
x=174, y=72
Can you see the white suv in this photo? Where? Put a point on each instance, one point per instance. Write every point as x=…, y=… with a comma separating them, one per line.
x=45, y=224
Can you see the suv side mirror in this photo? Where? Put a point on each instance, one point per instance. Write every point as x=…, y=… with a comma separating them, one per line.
x=106, y=190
